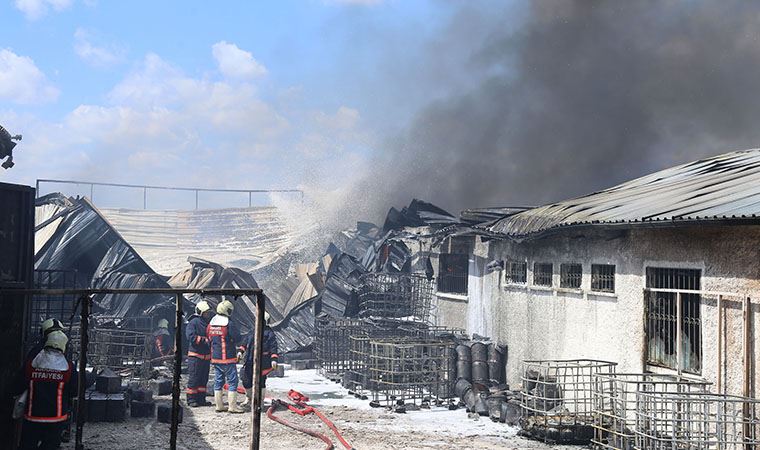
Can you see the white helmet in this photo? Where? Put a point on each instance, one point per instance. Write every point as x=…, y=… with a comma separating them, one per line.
x=225, y=308
x=163, y=323
x=267, y=317
x=57, y=340
x=201, y=307
x=51, y=325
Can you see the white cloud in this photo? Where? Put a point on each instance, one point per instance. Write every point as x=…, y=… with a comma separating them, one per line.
x=22, y=82
x=234, y=62
x=34, y=9
x=344, y=119
x=96, y=55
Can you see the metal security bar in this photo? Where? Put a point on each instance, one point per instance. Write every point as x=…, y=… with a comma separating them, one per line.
x=542, y=274
x=517, y=272
x=603, y=277
x=698, y=421
x=615, y=403
x=453, y=271
x=673, y=319
x=557, y=399
x=570, y=276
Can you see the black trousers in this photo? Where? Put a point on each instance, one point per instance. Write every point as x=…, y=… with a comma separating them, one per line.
x=197, y=378
x=44, y=436
x=246, y=376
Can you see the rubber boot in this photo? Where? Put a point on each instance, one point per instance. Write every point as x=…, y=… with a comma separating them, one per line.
x=219, y=401
x=246, y=405
x=232, y=401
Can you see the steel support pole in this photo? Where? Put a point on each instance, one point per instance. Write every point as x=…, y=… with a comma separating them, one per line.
x=82, y=379
x=249, y=199
x=92, y=193
x=177, y=371
x=719, y=384
x=196, y=199
x=145, y=198
x=257, y=349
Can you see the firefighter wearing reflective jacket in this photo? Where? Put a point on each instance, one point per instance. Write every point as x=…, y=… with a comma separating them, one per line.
x=198, y=355
x=224, y=338
x=162, y=340
x=269, y=359
x=50, y=381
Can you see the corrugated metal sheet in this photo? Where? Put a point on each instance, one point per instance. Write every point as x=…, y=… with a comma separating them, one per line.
x=723, y=187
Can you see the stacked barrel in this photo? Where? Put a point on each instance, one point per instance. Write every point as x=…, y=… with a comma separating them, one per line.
x=481, y=380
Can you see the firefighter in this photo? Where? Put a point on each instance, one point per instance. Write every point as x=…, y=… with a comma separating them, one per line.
x=162, y=340
x=198, y=355
x=224, y=337
x=50, y=380
x=46, y=327
x=269, y=359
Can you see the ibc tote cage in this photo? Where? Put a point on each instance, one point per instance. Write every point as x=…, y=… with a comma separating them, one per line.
x=396, y=295
x=557, y=399
x=615, y=397
x=696, y=421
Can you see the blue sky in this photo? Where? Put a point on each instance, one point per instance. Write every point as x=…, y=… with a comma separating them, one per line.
x=234, y=94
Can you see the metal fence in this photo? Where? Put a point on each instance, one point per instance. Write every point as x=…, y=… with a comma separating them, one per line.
x=698, y=421
x=615, y=403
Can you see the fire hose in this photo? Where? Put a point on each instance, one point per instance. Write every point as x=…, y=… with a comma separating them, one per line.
x=301, y=408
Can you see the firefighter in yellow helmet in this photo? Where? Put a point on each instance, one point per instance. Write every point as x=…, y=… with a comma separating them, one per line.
x=198, y=355
x=224, y=338
x=50, y=381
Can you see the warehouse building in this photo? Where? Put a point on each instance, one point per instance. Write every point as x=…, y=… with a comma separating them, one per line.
x=659, y=274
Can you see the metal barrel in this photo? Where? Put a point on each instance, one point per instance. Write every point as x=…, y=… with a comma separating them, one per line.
x=479, y=352
x=461, y=386
x=464, y=362
x=480, y=372
x=495, y=364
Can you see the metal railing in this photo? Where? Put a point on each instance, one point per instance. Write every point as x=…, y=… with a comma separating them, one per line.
x=85, y=299
x=146, y=188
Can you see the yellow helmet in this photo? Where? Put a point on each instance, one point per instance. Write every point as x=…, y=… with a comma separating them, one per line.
x=51, y=325
x=225, y=308
x=57, y=340
x=163, y=323
x=201, y=307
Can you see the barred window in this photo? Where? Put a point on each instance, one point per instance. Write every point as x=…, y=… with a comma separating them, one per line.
x=570, y=275
x=662, y=318
x=542, y=274
x=603, y=277
x=453, y=270
x=517, y=272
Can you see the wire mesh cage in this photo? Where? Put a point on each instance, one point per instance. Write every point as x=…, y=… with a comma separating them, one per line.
x=615, y=403
x=395, y=295
x=404, y=371
x=125, y=352
x=699, y=421
x=332, y=344
x=356, y=378
x=557, y=399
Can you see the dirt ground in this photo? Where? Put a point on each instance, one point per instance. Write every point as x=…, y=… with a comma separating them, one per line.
x=364, y=427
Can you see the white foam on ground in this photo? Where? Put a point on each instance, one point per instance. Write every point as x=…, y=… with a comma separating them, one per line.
x=324, y=392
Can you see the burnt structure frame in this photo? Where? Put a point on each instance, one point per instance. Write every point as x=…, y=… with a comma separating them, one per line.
x=85, y=296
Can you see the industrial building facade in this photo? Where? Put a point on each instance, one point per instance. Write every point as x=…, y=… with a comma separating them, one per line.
x=670, y=294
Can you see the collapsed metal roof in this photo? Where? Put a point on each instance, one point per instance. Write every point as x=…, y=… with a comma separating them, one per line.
x=723, y=187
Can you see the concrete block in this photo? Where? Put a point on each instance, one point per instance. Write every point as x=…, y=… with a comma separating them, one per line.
x=106, y=407
x=108, y=382
x=161, y=387
x=142, y=395
x=142, y=409
x=300, y=364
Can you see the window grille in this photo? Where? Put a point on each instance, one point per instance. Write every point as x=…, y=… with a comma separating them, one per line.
x=452, y=273
x=570, y=275
x=542, y=274
x=603, y=277
x=662, y=319
x=517, y=272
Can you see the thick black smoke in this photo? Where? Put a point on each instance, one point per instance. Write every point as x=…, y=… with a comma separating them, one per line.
x=576, y=97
